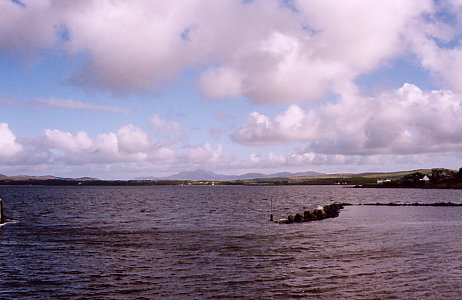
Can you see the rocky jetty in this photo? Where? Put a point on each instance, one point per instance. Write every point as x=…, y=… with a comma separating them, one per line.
x=321, y=213
x=333, y=210
x=412, y=204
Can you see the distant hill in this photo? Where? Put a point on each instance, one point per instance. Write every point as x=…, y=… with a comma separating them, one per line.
x=200, y=174
x=434, y=178
x=44, y=177
x=197, y=175
x=438, y=178
x=27, y=177
x=393, y=174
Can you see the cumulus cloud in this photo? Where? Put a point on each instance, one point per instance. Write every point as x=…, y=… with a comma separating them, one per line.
x=132, y=139
x=444, y=63
x=13, y=152
x=146, y=51
x=25, y=28
x=205, y=153
x=297, y=160
x=325, y=44
x=218, y=83
x=266, y=51
x=162, y=125
x=257, y=49
x=128, y=144
x=129, y=148
x=8, y=145
x=437, y=44
x=293, y=124
x=405, y=121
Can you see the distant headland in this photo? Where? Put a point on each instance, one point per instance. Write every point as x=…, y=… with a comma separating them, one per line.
x=434, y=178
x=422, y=178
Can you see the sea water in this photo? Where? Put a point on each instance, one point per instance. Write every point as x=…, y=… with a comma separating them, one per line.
x=208, y=242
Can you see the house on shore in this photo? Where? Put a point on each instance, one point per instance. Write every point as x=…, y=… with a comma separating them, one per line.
x=383, y=180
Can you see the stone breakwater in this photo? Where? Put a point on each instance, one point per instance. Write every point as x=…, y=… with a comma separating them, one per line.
x=333, y=210
x=328, y=211
x=2, y=215
x=412, y=204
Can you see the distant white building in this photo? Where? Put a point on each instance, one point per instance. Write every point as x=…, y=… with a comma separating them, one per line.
x=383, y=180
x=425, y=178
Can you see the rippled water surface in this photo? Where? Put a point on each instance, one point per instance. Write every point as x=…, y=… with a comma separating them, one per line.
x=216, y=242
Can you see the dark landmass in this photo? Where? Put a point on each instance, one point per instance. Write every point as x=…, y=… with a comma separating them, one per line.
x=95, y=182
x=432, y=179
x=423, y=178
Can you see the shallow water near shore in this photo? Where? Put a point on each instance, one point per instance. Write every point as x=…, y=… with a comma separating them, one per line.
x=216, y=242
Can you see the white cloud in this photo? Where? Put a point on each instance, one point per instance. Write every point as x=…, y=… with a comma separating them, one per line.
x=405, y=121
x=146, y=49
x=23, y=29
x=164, y=154
x=162, y=125
x=15, y=152
x=132, y=139
x=129, y=144
x=9, y=147
x=293, y=124
x=445, y=64
x=218, y=83
x=293, y=161
x=66, y=141
x=72, y=104
x=259, y=49
x=131, y=149
x=205, y=153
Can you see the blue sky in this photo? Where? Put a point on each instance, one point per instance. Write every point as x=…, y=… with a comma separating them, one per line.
x=124, y=89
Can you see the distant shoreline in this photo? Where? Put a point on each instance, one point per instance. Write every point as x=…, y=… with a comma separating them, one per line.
x=425, y=179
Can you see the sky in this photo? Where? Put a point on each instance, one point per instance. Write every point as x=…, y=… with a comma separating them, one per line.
x=120, y=89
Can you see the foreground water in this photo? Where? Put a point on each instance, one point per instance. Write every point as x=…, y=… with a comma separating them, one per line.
x=216, y=242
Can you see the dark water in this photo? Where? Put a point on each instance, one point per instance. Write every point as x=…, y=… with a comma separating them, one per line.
x=216, y=242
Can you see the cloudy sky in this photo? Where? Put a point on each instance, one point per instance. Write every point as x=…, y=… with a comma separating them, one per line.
x=124, y=89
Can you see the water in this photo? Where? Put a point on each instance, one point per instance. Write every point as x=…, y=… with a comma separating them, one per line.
x=216, y=242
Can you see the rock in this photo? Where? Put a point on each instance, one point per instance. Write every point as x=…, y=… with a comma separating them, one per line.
x=298, y=218
x=290, y=219
x=308, y=216
x=332, y=210
x=320, y=214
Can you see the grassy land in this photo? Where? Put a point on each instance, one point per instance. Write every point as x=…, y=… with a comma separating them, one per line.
x=435, y=178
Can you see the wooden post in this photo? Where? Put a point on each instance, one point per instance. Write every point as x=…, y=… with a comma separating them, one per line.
x=271, y=209
x=2, y=216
